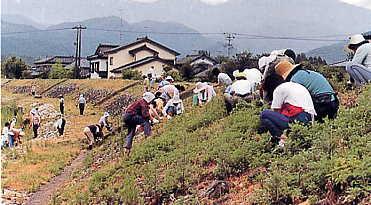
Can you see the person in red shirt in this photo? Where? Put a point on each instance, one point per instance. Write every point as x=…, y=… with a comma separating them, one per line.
x=138, y=114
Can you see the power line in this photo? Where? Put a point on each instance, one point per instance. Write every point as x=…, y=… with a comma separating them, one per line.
x=36, y=31
x=322, y=38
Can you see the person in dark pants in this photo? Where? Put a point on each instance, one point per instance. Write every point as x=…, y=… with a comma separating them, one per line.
x=138, y=114
x=82, y=103
x=323, y=95
x=290, y=102
x=93, y=133
x=60, y=125
x=61, y=104
x=35, y=122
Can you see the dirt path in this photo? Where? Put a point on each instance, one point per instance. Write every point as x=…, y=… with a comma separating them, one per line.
x=45, y=193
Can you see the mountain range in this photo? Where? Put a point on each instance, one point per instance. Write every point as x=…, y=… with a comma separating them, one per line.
x=260, y=26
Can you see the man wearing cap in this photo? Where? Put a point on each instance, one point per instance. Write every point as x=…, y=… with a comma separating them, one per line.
x=173, y=107
x=239, y=90
x=138, y=114
x=323, y=95
x=81, y=104
x=359, y=68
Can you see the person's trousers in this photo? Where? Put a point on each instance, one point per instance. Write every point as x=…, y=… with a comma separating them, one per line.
x=232, y=100
x=276, y=122
x=131, y=122
x=11, y=140
x=61, y=108
x=35, y=128
x=89, y=135
x=359, y=73
x=81, y=107
x=328, y=109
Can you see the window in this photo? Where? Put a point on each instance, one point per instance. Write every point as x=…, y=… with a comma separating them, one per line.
x=111, y=60
x=97, y=67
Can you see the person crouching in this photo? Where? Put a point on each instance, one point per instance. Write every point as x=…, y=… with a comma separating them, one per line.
x=290, y=102
x=240, y=90
x=138, y=114
x=93, y=133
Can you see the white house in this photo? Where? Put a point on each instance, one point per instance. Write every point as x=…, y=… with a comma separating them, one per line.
x=140, y=55
x=99, y=61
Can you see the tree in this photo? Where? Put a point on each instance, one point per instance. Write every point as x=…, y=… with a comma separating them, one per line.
x=186, y=71
x=58, y=71
x=13, y=67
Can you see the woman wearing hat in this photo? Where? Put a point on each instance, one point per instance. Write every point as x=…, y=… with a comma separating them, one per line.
x=204, y=92
x=138, y=114
x=359, y=68
x=35, y=122
x=323, y=95
x=173, y=107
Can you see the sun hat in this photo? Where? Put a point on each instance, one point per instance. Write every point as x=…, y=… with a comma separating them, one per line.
x=284, y=68
x=106, y=114
x=238, y=75
x=169, y=78
x=148, y=97
x=33, y=111
x=265, y=61
x=356, y=39
x=199, y=87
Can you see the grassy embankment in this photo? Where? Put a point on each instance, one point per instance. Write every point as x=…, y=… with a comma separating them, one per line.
x=205, y=144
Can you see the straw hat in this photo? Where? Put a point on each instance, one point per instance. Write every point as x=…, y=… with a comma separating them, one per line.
x=148, y=97
x=284, y=68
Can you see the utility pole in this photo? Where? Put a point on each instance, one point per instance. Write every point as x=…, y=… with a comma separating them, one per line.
x=122, y=26
x=229, y=37
x=78, y=50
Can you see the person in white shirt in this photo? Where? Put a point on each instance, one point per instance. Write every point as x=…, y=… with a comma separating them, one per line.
x=168, y=92
x=173, y=107
x=223, y=78
x=61, y=104
x=103, y=121
x=239, y=90
x=291, y=102
x=60, y=125
x=204, y=92
x=359, y=68
x=5, y=135
x=254, y=76
x=81, y=103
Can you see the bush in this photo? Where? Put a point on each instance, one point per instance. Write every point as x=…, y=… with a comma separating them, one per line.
x=131, y=74
x=59, y=72
x=13, y=67
x=175, y=74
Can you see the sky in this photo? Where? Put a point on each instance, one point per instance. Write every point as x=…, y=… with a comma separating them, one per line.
x=361, y=3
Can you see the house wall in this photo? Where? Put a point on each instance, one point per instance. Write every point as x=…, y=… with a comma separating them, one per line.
x=157, y=65
x=143, y=54
x=123, y=57
x=102, y=64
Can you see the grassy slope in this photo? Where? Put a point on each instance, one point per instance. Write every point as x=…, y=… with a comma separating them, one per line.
x=204, y=145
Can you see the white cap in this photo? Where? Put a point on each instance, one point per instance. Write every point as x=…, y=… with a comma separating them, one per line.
x=148, y=97
x=169, y=78
x=106, y=114
x=278, y=52
x=33, y=111
x=266, y=60
x=356, y=39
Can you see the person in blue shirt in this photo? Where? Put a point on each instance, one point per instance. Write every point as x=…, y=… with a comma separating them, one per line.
x=323, y=95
